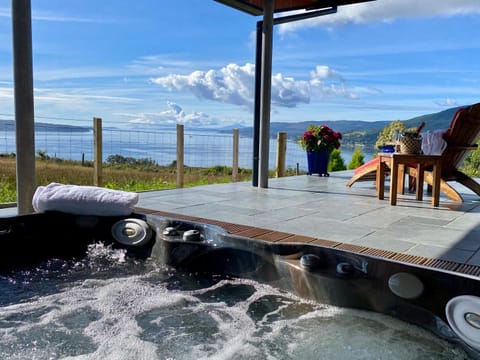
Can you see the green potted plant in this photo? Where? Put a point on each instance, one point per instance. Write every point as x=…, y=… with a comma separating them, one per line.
x=319, y=141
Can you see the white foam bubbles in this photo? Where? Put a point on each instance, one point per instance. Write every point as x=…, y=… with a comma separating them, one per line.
x=161, y=314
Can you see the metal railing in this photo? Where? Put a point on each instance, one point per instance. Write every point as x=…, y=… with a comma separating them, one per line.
x=201, y=148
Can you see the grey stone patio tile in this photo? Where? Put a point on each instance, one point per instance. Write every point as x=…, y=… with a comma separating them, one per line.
x=475, y=259
x=185, y=198
x=222, y=188
x=384, y=241
x=443, y=253
x=340, y=209
x=326, y=229
x=470, y=220
x=264, y=202
x=219, y=209
x=376, y=218
x=427, y=234
x=416, y=220
x=476, y=207
x=155, y=204
x=242, y=219
x=8, y=211
x=283, y=214
x=441, y=212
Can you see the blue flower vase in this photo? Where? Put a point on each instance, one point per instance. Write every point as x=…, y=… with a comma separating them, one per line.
x=318, y=162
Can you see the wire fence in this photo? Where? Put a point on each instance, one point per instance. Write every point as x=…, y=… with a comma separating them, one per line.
x=202, y=148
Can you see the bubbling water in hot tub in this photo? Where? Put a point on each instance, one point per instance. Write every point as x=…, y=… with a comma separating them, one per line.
x=108, y=306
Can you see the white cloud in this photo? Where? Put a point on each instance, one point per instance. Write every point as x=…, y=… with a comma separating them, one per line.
x=288, y=92
x=326, y=82
x=56, y=95
x=388, y=10
x=447, y=102
x=175, y=108
x=199, y=119
x=55, y=17
x=6, y=93
x=325, y=72
x=173, y=115
x=234, y=84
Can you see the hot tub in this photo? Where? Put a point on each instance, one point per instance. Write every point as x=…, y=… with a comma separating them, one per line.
x=198, y=257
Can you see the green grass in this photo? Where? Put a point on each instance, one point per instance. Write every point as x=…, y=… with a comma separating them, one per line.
x=134, y=177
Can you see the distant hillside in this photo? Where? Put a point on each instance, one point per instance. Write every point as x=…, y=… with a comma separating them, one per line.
x=356, y=131
x=9, y=125
x=440, y=120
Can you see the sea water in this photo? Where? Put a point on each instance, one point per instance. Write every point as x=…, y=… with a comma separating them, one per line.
x=107, y=306
x=202, y=148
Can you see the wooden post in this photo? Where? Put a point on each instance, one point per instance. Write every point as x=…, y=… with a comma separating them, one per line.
x=180, y=153
x=24, y=108
x=235, y=156
x=281, y=154
x=98, y=153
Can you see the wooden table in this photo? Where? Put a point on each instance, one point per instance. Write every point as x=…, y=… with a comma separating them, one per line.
x=396, y=162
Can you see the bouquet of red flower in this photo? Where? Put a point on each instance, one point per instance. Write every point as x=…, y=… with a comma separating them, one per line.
x=320, y=138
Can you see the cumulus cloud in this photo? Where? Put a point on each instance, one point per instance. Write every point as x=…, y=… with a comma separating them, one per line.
x=325, y=72
x=447, y=102
x=388, y=10
x=171, y=116
x=234, y=84
x=175, y=108
x=326, y=82
x=288, y=92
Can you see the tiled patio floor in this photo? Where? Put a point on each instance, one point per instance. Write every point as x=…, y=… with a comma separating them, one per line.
x=324, y=208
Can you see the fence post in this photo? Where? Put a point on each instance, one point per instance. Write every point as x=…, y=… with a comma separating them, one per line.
x=180, y=152
x=98, y=153
x=235, y=156
x=281, y=154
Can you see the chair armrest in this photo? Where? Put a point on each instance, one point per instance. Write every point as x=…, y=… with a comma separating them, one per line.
x=466, y=147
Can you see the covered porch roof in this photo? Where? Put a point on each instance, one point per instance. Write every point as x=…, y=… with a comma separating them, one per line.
x=257, y=7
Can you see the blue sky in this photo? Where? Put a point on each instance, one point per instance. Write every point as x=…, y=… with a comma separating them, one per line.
x=150, y=63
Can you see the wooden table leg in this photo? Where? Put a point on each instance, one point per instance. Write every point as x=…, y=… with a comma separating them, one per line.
x=380, y=180
x=401, y=179
x=393, y=182
x=419, y=181
x=437, y=172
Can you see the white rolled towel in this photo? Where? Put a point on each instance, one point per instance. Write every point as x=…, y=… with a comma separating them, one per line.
x=83, y=200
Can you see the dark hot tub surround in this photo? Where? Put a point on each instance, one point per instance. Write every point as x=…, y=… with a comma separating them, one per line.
x=444, y=302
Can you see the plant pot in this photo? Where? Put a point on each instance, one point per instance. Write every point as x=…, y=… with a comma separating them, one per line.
x=318, y=162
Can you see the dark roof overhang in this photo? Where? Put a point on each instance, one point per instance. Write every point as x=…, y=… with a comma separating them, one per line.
x=256, y=7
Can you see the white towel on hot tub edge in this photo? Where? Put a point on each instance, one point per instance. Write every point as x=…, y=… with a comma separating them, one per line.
x=83, y=200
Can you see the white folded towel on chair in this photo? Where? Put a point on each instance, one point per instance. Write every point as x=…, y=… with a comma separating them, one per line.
x=83, y=200
x=433, y=142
